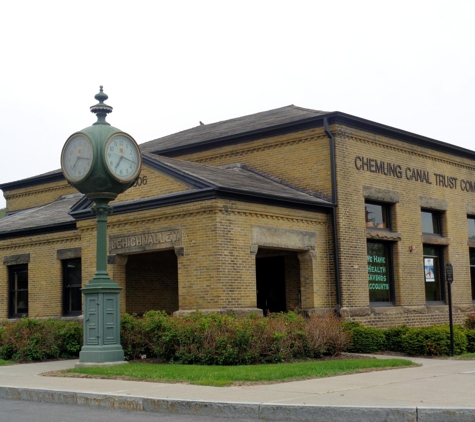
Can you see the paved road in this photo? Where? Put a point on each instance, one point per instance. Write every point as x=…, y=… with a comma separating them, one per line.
x=440, y=390
x=25, y=411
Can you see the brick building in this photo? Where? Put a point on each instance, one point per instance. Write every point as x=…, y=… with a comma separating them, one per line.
x=288, y=208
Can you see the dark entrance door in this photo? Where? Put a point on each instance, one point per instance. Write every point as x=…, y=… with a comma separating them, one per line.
x=270, y=283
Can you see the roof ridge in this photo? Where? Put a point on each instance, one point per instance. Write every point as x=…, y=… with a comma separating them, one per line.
x=309, y=109
x=207, y=125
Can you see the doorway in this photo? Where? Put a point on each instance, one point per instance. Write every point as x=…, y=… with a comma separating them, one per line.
x=270, y=284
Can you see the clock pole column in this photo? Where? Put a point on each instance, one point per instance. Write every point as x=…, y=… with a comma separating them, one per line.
x=102, y=209
x=101, y=304
x=96, y=173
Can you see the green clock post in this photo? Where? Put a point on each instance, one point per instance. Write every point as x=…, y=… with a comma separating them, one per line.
x=101, y=162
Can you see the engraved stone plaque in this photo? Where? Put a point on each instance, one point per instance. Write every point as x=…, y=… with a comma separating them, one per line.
x=145, y=241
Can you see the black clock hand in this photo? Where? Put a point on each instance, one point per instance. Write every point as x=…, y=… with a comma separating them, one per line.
x=121, y=156
x=77, y=159
x=128, y=159
x=118, y=162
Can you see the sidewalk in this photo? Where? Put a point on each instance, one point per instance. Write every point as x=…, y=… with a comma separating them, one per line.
x=439, y=390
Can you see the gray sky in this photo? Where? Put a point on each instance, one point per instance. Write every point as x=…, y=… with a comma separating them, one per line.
x=166, y=65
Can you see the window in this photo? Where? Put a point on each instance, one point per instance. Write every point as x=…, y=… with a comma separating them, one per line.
x=72, y=304
x=472, y=271
x=471, y=228
x=431, y=222
x=18, y=290
x=376, y=215
x=380, y=272
x=432, y=273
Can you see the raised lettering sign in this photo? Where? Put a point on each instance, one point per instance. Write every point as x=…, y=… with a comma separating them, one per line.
x=145, y=241
x=413, y=174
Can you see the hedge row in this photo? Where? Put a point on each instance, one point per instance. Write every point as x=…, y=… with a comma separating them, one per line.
x=31, y=339
x=413, y=341
x=198, y=338
x=214, y=339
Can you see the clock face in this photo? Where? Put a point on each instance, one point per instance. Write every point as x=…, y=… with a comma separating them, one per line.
x=123, y=157
x=77, y=157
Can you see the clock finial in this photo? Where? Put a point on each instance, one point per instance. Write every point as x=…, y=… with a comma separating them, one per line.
x=101, y=110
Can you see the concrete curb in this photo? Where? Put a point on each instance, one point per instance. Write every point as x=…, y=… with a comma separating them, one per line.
x=272, y=411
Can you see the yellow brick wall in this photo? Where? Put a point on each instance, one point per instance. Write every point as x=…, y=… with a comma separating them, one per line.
x=237, y=265
x=44, y=271
x=409, y=272
x=152, y=282
x=35, y=196
x=218, y=269
x=301, y=158
x=151, y=184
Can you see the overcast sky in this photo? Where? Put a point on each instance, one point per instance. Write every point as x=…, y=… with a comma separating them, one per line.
x=166, y=65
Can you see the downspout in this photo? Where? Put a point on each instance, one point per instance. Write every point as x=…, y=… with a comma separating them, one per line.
x=335, y=203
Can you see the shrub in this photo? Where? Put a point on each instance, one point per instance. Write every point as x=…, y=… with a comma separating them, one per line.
x=215, y=339
x=29, y=339
x=470, y=321
x=132, y=337
x=349, y=325
x=394, y=336
x=433, y=341
x=326, y=335
x=366, y=340
x=470, y=335
x=210, y=339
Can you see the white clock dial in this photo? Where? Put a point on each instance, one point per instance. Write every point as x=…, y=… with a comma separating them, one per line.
x=123, y=157
x=77, y=157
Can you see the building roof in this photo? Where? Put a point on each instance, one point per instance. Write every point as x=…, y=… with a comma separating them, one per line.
x=259, y=125
x=201, y=135
x=228, y=128
x=47, y=218
x=234, y=182
x=238, y=178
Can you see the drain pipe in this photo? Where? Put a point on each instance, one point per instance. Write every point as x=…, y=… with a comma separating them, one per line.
x=335, y=203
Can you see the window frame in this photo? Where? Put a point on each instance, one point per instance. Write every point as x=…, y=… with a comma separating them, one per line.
x=67, y=288
x=472, y=272
x=440, y=271
x=385, y=215
x=389, y=246
x=13, y=292
x=436, y=218
x=470, y=218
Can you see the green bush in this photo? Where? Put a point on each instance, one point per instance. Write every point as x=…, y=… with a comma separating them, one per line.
x=470, y=322
x=210, y=339
x=366, y=339
x=394, y=336
x=433, y=341
x=470, y=335
x=214, y=339
x=29, y=339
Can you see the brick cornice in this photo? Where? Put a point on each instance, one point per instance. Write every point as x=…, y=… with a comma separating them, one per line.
x=33, y=192
x=274, y=216
x=369, y=140
x=28, y=242
x=247, y=149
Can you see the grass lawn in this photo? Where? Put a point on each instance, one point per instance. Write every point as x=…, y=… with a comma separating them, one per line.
x=465, y=356
x=6, y=362
x=219, y=376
